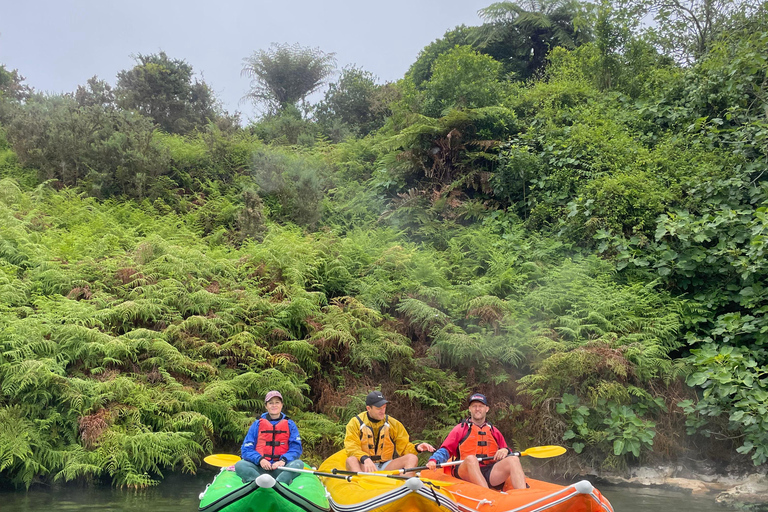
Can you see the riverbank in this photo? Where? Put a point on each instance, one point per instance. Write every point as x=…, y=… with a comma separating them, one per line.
x=742, y=491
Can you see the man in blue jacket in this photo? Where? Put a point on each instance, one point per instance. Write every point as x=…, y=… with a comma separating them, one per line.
x=273, y=441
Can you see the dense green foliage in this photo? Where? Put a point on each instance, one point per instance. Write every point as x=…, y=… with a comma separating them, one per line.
x=587, y=247
x=161, y=89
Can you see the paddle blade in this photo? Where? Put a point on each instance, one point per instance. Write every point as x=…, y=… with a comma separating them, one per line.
x=543, y=452
x=221, y=460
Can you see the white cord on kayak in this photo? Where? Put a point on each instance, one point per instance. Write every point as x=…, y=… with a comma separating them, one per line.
x=482, y=501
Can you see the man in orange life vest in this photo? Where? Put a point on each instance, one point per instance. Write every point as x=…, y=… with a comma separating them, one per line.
x=473, y=438
x=272, y=442
x=375, y=441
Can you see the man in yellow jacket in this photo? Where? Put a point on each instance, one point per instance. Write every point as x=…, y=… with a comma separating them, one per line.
x=375, y=441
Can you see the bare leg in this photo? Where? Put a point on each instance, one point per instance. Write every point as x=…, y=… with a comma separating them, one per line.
x=469, y=470
x=406, y=461
x=508, y=469
x=354, y=465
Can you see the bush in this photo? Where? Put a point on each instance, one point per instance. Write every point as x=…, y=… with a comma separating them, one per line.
x=291, y=185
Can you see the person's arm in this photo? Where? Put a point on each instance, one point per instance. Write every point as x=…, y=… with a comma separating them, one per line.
x=352, y=440
x=499, y=439
x=440, y=456
x=503, y=450
x=248, y=449
x=449, y=446
x=402, y=440
x=294, y=444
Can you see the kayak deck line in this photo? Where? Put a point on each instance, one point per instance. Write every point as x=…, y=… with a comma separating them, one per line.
x=393, y=496
x=480, y=501
x=573, y=490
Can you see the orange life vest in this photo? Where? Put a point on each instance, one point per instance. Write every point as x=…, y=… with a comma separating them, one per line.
x=380, y=450
x=478, y=441
x=272, y=442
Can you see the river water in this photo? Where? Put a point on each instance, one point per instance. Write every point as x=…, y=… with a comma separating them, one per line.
x=179, y=493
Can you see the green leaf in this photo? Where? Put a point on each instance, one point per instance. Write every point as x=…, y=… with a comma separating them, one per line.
x=697, y=379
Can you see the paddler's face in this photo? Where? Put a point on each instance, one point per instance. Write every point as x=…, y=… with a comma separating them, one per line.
x=377, y=413
x=478, y=411
x=274, y=406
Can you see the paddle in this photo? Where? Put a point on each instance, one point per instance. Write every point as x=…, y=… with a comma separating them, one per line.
x=538, y=452
x=409, y=479
x=364, y=473
x=224, y=460
x=221, y=460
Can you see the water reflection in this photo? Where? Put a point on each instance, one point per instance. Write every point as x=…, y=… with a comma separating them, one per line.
x=647, y=499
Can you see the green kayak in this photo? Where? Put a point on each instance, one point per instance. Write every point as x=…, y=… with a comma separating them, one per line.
x=229, y=494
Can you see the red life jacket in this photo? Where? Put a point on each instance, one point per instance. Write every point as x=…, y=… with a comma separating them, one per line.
x=273, y=439
x=478, y=441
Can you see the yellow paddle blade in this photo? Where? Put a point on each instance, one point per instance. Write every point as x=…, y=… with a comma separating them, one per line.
x=542, y=452
x=221, y=460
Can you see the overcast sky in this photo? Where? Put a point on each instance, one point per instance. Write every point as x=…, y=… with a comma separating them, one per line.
x=58, y=44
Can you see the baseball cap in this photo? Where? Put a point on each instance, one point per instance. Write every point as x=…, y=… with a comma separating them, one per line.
x=273, y=394
x=375, y=399
x=478, y=397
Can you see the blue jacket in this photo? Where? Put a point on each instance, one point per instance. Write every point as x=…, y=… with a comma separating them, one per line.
x=248, y=450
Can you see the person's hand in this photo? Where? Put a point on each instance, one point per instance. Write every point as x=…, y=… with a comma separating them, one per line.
x=431, y=464
x=501, y=453
x=278, y=464
x=369, y=466
x=264, y=463
x=425, y=447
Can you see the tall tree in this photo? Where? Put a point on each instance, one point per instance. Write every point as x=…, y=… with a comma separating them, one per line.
x=421, y=70
x=163, y=89
x=348, y=106
x=686, y=29
x=12, y=86
x=520, y=34
x=286, y=74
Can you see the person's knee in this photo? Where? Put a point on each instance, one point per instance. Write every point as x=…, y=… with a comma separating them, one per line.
x=514, y=464
x=410, y=460
x=243, y=465
x=472, y=461
x=246, y=470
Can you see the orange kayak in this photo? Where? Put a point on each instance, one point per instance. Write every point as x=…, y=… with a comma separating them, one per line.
x=541, y=496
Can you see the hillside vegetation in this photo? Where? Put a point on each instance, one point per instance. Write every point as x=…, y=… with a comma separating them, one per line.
x=555, y=208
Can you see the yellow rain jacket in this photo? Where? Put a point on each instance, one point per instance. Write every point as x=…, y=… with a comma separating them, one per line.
x=380, y=440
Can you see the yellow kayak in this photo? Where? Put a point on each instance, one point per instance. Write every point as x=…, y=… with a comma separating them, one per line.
x=379, y=493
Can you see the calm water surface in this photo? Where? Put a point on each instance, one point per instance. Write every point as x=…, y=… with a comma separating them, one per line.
x=179, y=493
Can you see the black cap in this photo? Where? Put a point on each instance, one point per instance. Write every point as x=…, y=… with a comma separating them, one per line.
x=478, y=397
x=375, y=399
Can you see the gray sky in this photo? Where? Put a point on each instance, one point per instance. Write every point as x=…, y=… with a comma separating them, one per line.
x=58, y=44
